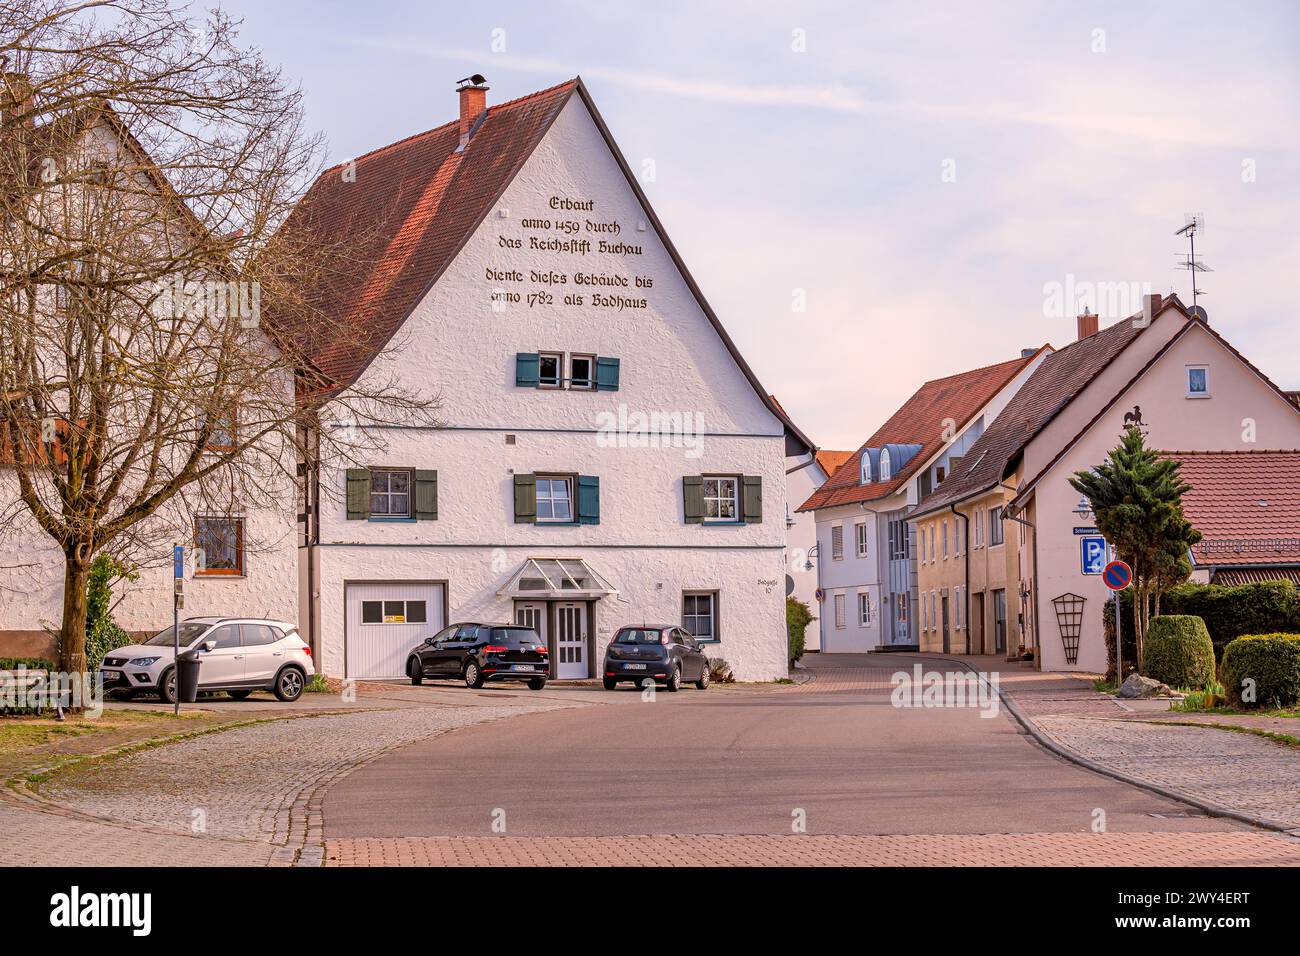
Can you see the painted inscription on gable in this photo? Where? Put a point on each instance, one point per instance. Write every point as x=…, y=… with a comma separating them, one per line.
x=581, y=244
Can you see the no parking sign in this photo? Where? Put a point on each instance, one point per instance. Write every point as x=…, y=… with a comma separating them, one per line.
x=1117, y=575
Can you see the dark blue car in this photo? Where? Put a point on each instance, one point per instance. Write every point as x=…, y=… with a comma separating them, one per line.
x=664, y=653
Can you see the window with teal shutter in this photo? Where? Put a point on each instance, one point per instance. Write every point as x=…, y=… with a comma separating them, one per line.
x=606, y=374
x=527, y=373
x=588, y=499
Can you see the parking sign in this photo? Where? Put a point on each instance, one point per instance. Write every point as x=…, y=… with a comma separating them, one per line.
x=1092, y=554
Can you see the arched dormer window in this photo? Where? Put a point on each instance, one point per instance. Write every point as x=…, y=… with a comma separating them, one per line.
x=864, y=470
x=886, y=472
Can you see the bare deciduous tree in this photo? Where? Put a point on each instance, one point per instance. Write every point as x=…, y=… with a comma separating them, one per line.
x=147, y=160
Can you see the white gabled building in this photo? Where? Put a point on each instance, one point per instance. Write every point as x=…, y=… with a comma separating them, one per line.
x=603, y=454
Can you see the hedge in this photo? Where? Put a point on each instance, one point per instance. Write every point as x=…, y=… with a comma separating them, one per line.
x=797, y=618
x=1229, y=611
x=1179, y=652
x=1271, y=661
x=31, y=663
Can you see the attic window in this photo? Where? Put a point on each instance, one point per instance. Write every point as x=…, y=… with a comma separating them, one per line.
x=886, y=471
x=864, y=471
x=1198, y=381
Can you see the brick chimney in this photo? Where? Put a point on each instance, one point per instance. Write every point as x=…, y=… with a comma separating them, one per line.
x=473, y=103
x=16, y=97
x=1087, y=325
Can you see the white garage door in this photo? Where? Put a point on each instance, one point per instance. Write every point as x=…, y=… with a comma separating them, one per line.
x=385, y=621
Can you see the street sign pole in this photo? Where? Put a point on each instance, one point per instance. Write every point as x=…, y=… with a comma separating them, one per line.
x=178, y=573
x=1117, y=576
x=1119, y=642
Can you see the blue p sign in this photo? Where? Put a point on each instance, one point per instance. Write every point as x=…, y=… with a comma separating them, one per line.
x=1092, y=554
x=178, y=561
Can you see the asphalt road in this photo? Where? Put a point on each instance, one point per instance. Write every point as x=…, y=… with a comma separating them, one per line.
x=740, y=761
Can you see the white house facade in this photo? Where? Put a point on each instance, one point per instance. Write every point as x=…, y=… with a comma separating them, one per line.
x=602, y=456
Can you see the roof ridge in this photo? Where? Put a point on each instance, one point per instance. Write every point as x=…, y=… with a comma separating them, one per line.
x=1235, y=451
x=429, y=132
x=983, y=368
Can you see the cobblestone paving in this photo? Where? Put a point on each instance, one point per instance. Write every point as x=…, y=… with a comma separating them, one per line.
x=1235, y=771
x=1030, y=849
x=254, y=788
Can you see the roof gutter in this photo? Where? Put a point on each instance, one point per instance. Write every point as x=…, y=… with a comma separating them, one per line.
x=1009, y=511
x=965, y=551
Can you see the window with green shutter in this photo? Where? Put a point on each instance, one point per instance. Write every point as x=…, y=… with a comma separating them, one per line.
x=358, y=496
x=753, y=499
x=525, y=499
x=693, y=498
x=426, y=495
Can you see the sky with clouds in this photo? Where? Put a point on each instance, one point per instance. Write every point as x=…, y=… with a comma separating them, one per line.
x=925, y=177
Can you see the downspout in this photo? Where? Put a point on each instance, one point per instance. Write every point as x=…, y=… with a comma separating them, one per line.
x=965, y=524
x=1038, y=645
x=313, y=552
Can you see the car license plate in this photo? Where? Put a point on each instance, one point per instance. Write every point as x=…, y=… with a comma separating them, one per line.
x=109, y=674
x=521, y=667
x=634, y=667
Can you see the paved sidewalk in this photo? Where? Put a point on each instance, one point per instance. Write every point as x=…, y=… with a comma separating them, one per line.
x=1142, y=739
x=1029, y=849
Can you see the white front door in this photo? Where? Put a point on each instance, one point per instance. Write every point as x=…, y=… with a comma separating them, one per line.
x=532, y=614
x=385, y=622
x=570, y=641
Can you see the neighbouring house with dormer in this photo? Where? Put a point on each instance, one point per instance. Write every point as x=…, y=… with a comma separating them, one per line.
x=866, y=557
x=1166, y=371
x=603, y=456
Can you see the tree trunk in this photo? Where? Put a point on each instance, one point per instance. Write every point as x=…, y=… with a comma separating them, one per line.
x=72, y=633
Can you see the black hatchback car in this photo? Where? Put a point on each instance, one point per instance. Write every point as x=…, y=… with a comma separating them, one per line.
x=664, y=653
x=477, y=653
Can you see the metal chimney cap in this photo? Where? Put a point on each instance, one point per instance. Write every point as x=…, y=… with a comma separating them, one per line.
x=476, y=82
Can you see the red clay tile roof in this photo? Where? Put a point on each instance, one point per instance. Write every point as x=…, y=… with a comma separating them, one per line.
x=921, y=420
x=412, y=205
x=1246, y=504
x=831, y=460
x=1053, y=385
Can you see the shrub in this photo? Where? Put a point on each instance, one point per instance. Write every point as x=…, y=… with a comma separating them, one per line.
x=1271, y=662
x=1229, y=611
x=1179, y=652
x=103, y=633
x=797, y=618
x=720, y=671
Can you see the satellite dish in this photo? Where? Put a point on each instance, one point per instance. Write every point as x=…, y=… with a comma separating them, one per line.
x=1198, y=312
x=789, y=585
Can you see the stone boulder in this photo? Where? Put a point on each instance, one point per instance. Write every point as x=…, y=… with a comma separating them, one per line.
x=1137, y=686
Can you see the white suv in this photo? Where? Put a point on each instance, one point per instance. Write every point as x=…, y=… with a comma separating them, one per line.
x=238, y=655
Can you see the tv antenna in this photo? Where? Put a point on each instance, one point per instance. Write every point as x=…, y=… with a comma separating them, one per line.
x=1195, y=223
